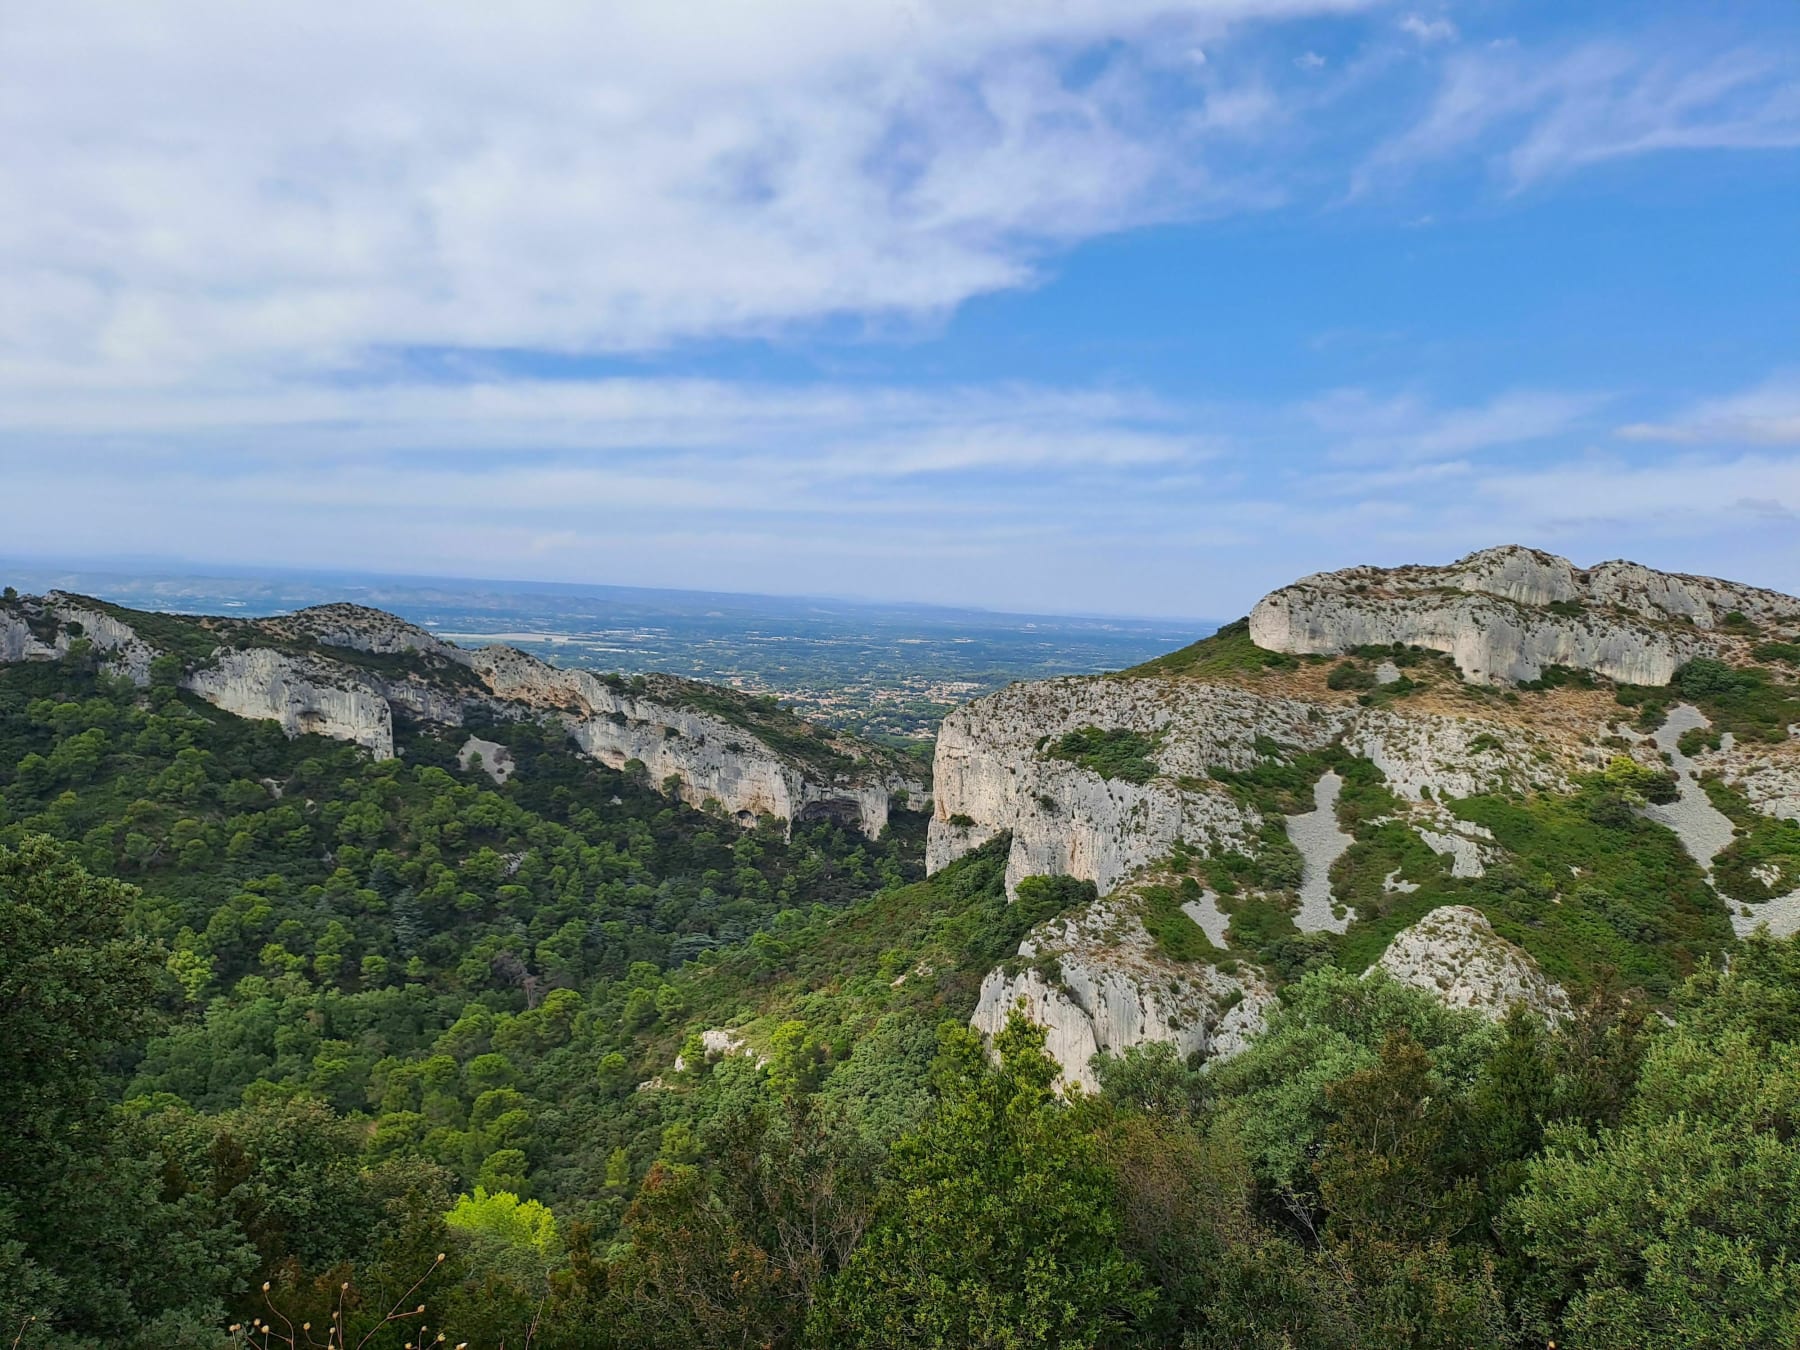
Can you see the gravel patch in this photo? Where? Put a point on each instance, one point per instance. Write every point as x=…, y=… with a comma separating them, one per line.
x=1705, y=831
x=1206, y=912
x=1321, y=843
x=496, y=759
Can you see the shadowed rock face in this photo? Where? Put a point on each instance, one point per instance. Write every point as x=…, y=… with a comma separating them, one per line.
x=1504, y=614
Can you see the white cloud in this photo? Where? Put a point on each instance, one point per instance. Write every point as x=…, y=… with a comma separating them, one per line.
x=1428, y=31
x=1539, y=115
x=1361, y=427
x=216, y=186
x=1766, y=415
x=1690, y=494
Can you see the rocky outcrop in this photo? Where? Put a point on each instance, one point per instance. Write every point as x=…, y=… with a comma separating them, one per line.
x=702, y=754
x=17, y=640
x=361, y=629
x=994, y=773
x=1505, y=614
x=1177, y=799
x=1097, y=985
x=1454, y=953
x=347, y=672
x=719, y=1043
x=496, y=760
x=43, y=630
x=305, y=696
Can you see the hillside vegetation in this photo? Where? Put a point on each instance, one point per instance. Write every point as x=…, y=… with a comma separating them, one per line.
x=293, y=1035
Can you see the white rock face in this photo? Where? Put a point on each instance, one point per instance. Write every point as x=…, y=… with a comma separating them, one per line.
x=361, y=629
x=719, y=1043
x=713, y=758
x=1066, y=820
x=126, y=654
x=1213, y=921
x=1114, y=990
x=1772, y=785
x=1455, y=953
x=1458, y=844
x=1488, y=613
x=305, y=696
x=319, y=692
x=18, y=642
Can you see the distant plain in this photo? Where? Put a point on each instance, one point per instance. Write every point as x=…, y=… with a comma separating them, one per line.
x=884, y=669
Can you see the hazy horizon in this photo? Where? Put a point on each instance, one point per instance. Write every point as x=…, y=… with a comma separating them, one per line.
x=150, y=570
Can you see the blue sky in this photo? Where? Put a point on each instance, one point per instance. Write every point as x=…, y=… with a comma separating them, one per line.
x=1135, y=306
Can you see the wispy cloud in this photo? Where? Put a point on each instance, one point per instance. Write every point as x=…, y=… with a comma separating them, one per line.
x=1428, y=30
x=1766, y=415
x=1362, y=427
x=417, y=283
x=1536, y=115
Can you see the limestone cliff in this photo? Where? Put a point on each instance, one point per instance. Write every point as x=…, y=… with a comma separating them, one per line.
x=1292, y=786
x=1098, y=985
x=347, y=672
x=711, y=744
x=41, y=630
x=1505, y=614
x=307, y=697
x=992, y=774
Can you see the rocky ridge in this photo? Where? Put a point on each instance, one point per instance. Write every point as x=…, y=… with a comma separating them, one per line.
x=1484, y=679
x=992, y=773
x=346, y=672
x=1506, y=614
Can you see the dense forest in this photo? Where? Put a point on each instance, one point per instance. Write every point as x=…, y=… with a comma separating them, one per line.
x=306, y=1048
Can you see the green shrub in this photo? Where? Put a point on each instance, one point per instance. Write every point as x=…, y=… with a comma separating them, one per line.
x=1747, y=702
x=1777, y=651
x=1559, y=677
x=1179, y=937
x=1112, y=753
x=1227, y=652
x=1696, y=739
x=1349, y=675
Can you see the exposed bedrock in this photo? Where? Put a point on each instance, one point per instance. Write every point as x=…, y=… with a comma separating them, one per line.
x=65, y=620
x=1096, y=984
x=305, y=697
x=1492, y=614
x=330, y=671
x=1455, y=953
x=1320, y=842
x=993, y=772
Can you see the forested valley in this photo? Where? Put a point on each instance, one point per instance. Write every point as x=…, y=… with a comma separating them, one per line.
x=305, y=1048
